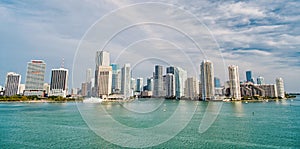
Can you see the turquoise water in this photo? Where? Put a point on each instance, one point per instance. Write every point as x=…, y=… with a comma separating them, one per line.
x=237, y=125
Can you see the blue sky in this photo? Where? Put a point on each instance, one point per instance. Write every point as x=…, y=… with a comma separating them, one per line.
x=262, y=36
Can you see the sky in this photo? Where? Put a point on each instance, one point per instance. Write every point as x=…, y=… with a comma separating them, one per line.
x=261, y=36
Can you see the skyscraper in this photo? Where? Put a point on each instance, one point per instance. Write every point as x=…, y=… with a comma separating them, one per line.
x=150, y=84
x=191, y=88
x=217, y=82
x=207, y=80
x=249, y=76
x=260, y=80
x=280, y=87
x=158, y=81
x=12, y=84
x=126, y=81
x=103, y=74
x=59, y=82
x=139, y=84
x=169, y=81
x=35, y=78
x=234, y=82
x=88, y=81
x=88, y=75
x=180, y=78
x=116, y=78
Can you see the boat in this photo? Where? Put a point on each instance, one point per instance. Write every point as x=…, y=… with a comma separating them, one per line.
x=92, y=100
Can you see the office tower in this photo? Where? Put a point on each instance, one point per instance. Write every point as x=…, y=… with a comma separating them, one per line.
x=59, y=82
x=103, y=75
x=139, y=84
x=207, y=80
x=217, y=82
x=249, y=76
x=84, y=89
x=35, y=75
x=169, y=81
x=191, y=89
x=88, y=75
x=260, y=80
x=116, y=78
x=150, y=84
x=158, y=81
x=234, y=82
x=280, y=87
x=12, y=84
x=180, y=78
x=102, y=58
x=126, y=81
x=132, y=85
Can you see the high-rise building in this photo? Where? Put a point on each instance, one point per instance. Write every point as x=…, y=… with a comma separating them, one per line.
x=116, y=78
x=270, y=90
x=180, y=78
x=191, y=89
x=207, y=80
x=21, y=89
x=35, y=76
x=158, y=81
x=139, y=84
x=249, y=76
x=150, y=84
x=260, y=80
x=12, y=84
x=84, y=89
x=280, y=87
x=126, y=81
x=59, y=82
x=169, y=85
x=88, y=75
x=217, y=82
x=234, y=82
x=103, y=74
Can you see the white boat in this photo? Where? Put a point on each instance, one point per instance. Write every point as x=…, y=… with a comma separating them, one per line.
x=92, y=100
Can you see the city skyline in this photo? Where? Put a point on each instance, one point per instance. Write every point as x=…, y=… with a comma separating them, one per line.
x=262, y=39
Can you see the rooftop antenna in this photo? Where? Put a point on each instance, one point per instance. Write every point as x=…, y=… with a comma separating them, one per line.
x=63, y=63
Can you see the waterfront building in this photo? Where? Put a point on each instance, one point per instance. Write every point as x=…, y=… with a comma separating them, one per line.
x=249, y=76
x=180, y=79
x=169, y=85
x=88, y=80
x=234, y=82
x=103, y=74
x=21, y=89
x=12, y=84
x=126, y=81
x=46, y=88
x=116, y=78
x=59, y=82
x=158, y=81
x=270, y=90
x=191, y=89
x=35, y=77
x=260, y=80
x=84, y=89
x=139, y=84
x=280, y=87
x=250, y=90
x=207, y=80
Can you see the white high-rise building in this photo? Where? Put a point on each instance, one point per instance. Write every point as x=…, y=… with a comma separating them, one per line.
x=180, y=79
x=260, y=80
x=280, y=87
x=150, y=84
x=207, y=80
x=103, y=74
x=12, y=84
x=59, y=82
x=139, y=84
x=191, y=88
x=88, y=75
x=234, y=82
x=35, y=76
x=169, y=80
x=126, y=81
x=158, y=81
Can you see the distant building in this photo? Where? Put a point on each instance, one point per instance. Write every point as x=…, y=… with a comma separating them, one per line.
x=249, y=76
x=191, y=89
x=180, y=79
x=21, y=89
x=207, y=80
x=84, y=89
x=217, y=82
x=169, y=81
x=126, y=81
x=46, y=88
x=59, y=82
x=280, y=87
x=12, y=84
x=116, y=78
x=150, y=84
x=234, y=82
x=35, y=77
x=89, y=82
x=260, y=80
x=139, y=84
x=270, y=90
x=158, y=81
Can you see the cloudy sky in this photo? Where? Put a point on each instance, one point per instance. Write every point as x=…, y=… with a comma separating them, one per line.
x=262, y=36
